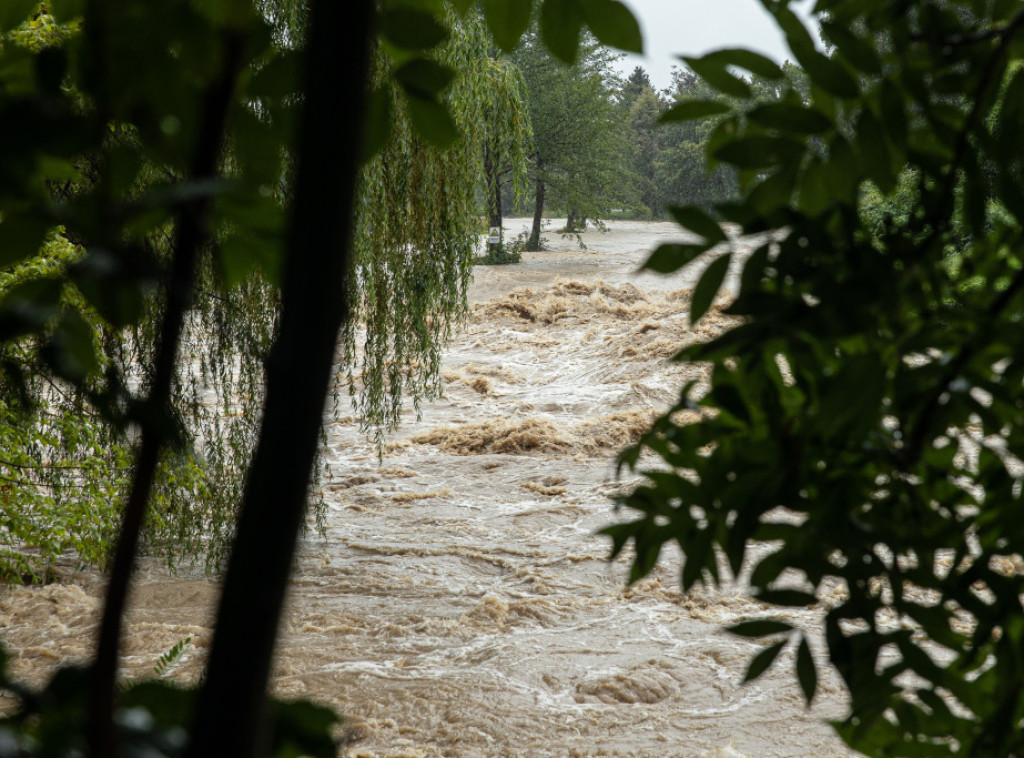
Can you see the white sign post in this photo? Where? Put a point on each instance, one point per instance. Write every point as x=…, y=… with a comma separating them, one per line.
x=495, y=236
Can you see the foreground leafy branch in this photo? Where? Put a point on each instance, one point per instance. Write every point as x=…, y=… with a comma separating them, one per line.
x=866, y=415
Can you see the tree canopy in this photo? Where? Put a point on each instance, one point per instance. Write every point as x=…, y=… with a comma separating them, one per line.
x=578, y=163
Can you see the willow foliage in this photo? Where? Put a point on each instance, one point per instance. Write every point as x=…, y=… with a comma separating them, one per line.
x=64, y=469
x=416, y=231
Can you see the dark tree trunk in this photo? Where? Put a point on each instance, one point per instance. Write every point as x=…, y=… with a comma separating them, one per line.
x=570, y=222
x=192, y=234
x=494, y=213
x=533, y=244
x=230, y=718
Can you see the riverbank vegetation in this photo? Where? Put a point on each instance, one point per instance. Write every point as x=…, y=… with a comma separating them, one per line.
x=65, y=465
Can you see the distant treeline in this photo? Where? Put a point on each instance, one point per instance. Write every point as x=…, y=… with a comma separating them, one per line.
x=601, y=147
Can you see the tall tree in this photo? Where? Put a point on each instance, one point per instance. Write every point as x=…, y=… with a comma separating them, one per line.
x=578, y=162
x=683, y=173
x=635, y=85
x=507, y=141
x=644, y=143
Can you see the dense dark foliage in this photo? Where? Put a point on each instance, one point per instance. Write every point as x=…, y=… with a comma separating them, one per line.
x=866, y=415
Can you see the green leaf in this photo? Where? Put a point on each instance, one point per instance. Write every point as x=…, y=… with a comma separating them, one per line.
x=72, y=351
x=303, y=728
x=20, y=237
x=730, y=399
x=14, y=12
x=830, y=75
x=119, y=303
x=613, y=24
x=1012, y=197
x=708, y=286
x=424, y=77
x=894, y=114
x=797, y=36
x=754, y=270
x=753, y=62
x=698, y=221
x=240, y=256
x=788, y=117
x=762, y=661
x=693, y=110
x=805, y=671
x=66, y=10
x=759, y=628
x=669, y=258
x=715, y=72
x=561, y=24
x=432, y=121
x=29, y=306
x=1011, y=117
x=379, y=123
x=787, y=597
x=51, y=69
x=167, y=703
x=858, y=51
x=507, y=20
x=280, y=77
x=17, y=73
x=759, y=152
x=234, y=14
x=411, y=28
x=873, y=148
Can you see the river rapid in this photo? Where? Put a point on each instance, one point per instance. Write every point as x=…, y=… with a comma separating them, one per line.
x=461, y=604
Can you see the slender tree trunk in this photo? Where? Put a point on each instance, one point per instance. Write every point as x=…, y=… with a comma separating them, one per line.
x=192, y=235
x=230, y=718
x=533, y=243
x=494, y=217
x=570, y=222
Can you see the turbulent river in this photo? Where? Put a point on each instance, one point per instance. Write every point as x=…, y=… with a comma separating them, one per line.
x=461, y=604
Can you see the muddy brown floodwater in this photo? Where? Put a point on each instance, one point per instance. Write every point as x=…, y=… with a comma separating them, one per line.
x=461, y=604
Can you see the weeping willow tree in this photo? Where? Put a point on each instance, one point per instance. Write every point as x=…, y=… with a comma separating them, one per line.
x=64, y=466
x=416, y=230
x=416, y=225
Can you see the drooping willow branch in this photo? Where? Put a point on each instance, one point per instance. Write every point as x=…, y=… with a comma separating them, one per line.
x=192, y=236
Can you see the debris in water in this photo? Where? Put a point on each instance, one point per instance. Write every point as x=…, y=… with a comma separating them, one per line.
x=537, y=435
x=547, y=486
x=410, y=497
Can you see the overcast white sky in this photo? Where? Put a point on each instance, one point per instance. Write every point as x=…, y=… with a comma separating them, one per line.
x=692, y=27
